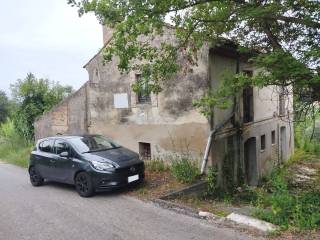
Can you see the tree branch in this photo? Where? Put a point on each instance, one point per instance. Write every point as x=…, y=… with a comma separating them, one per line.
x=308, y=23
x=273, y=39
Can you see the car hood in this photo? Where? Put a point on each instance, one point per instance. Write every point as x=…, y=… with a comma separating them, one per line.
x=120, y=156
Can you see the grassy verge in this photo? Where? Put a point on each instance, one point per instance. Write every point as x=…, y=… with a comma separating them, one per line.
x=161, y=178
x=13, y=148
x=289, y=197
x=15, y=154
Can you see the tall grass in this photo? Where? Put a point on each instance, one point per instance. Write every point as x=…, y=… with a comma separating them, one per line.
x=156, y=165
x=307, y=136
x=14, y=148
x=185, y=170
x=278, y=204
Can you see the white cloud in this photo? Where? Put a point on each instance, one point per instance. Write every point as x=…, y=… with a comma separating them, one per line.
x=47, y=38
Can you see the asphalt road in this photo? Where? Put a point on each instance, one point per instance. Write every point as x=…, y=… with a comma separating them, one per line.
x=55, y=211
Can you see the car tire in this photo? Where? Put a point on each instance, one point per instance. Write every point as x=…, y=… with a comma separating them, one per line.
x=84, y=186
x=35, y=178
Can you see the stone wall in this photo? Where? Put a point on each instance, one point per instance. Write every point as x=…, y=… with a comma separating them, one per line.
x=68, y=117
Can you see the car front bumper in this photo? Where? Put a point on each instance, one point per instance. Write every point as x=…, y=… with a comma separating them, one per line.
x=104, y=181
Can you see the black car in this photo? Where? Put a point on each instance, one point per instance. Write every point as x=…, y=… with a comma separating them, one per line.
x=92, y=163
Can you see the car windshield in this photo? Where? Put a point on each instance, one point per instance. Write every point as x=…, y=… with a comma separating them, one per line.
x=93, y=143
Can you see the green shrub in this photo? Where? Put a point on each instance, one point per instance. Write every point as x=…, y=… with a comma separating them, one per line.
x=14, y=149
x=276, y=181
x=296, y=210
x=306, y=214
x=285, y=208
x=156, y=165
x=307, y=136
x=212, y=175
x=247, y=194
x=185, y=170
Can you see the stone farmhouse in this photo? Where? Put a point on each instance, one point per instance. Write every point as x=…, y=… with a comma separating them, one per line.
x=252, y=136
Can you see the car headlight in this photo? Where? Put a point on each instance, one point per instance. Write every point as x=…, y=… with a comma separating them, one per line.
x=102, y=166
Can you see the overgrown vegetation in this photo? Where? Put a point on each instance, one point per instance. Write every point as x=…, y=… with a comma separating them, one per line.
x=156, y=165
x=14, y=148
x=185, y=170
x=31, y=98
x=307, y=134
x=34, y=97
x=290, y=195
x=286, y=207
x=211, y=178
x=4, y=106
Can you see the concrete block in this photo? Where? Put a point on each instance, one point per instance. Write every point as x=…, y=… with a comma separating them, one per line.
x=252, y=222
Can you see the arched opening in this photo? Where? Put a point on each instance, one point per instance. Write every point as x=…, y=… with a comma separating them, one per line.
x=250, y=161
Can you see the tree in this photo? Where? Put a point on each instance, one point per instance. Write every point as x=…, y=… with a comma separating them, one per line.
x=34, y=97
x=4, y=106
x=286, y=33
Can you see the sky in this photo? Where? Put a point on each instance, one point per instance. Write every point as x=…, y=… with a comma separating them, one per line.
x=48, y=39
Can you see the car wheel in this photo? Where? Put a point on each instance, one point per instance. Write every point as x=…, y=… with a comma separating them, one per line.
x=35, y=178
x=84, y=184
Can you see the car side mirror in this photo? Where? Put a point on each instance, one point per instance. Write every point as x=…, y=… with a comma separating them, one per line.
x=64, y=154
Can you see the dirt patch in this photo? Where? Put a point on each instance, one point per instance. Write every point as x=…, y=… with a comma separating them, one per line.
x=217, y=208
x=304, y=175
x=292, y=235
x=156, y=185
x=159, y=184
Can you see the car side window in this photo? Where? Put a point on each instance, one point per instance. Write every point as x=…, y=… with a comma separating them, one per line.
x=46, y=146
x=61, y=146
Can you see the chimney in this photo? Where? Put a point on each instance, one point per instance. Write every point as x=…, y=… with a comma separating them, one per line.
x=107, y=33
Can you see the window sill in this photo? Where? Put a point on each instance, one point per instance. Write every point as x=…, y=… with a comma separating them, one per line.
x=146, y=103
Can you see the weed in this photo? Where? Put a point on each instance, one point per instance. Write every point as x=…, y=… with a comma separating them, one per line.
x=286, y=209
x=185, y=170
x=156, y=165
x=212, y=181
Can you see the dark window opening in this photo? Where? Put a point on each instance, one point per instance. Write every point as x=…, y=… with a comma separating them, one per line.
x=263, y=142
x=143, y=95
x=248, y=104
x=273, y=137
x=249, y=73
x=145, y=150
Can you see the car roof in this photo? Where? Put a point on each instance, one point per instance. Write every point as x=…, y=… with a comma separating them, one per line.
x=68, y=136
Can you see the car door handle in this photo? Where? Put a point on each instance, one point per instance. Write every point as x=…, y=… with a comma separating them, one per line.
x=52, y=161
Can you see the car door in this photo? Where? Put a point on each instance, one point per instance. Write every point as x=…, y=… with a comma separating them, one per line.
x=43, y=158
x=63, y=167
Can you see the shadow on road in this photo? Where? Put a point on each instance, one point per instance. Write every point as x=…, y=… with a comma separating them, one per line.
x=109, y=193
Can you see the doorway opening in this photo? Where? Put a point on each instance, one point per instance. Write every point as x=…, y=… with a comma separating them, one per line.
x=283, y=144
x=250, y=161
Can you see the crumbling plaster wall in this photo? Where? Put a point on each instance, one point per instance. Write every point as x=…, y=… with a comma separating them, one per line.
x=170, y=123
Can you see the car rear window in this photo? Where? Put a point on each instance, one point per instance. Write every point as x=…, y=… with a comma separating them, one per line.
x=46, y=146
